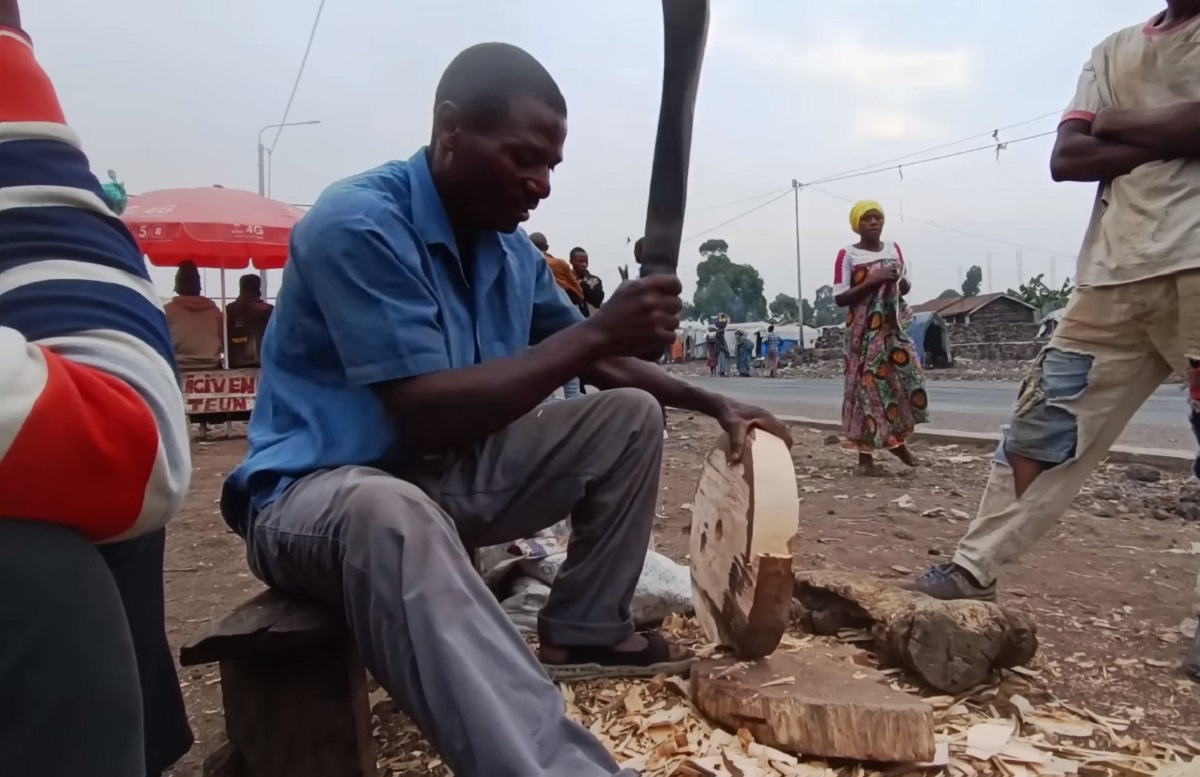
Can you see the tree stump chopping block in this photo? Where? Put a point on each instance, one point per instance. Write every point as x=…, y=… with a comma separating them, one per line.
x=816, y=701
x=949, y=646
x=294, y=692
x=743, y=520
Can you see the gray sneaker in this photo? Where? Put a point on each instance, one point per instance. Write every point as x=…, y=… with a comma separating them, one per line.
x=950, y=581
x=1191, y=664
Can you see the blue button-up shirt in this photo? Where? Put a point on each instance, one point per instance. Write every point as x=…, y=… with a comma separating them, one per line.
x=374, y=291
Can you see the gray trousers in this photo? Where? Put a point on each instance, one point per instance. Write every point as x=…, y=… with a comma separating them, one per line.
x=391, y=553
x=70, y=705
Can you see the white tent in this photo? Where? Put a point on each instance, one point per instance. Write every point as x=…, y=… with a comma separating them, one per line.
x=789, y=333
x=693, y=334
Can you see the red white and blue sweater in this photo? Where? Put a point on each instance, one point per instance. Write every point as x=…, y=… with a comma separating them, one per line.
x=92, y=425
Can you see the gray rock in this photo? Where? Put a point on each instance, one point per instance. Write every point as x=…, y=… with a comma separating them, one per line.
x=1142, y=473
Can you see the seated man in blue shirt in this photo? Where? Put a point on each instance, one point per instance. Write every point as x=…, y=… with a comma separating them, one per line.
x=400, y=420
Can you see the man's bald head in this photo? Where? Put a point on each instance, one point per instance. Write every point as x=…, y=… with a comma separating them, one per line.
x=539, y=240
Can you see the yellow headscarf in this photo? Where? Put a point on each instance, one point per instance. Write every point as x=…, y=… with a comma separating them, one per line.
x=860, y=209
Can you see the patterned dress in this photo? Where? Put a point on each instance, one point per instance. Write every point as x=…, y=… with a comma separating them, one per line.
x=885, y=387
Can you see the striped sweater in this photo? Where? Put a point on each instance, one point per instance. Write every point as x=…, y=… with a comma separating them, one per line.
x=92, y=429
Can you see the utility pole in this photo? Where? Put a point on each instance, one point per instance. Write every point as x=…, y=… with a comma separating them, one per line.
x=799, y=282
x=1054, y=272
x=1020, y=268
x=989, y=273
x=262, y=176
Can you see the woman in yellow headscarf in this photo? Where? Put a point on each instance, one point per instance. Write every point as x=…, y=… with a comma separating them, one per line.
x=885, y=387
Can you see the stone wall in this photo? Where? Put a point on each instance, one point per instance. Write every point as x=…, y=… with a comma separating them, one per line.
x=968, y=334
x=996, y=351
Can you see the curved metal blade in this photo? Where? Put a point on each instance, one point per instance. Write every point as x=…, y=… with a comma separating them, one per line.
x=685, y=31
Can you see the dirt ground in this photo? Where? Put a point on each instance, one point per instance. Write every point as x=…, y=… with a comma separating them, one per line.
x=1109, y=588
x=964, y=369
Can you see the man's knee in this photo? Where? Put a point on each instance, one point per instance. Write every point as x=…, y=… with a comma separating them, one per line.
x=633, y=410
x=1044, y=428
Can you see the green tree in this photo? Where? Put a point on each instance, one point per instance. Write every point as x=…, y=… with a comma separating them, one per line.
x=784, y=308
x=689, y=312
x=949, y=294
x=714, y=298
x=1041, y=296
x=825, y=310
x=974, y=281
x=809, y=315
x=723, y=286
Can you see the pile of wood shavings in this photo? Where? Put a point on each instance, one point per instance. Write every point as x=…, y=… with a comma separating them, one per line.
x=652, y=727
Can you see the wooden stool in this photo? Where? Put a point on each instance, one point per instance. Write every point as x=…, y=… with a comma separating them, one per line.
x=294, y=691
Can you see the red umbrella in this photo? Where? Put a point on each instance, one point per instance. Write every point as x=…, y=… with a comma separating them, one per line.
x=215, y=227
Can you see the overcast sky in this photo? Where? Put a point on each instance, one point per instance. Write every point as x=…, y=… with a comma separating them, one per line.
x=172, y=94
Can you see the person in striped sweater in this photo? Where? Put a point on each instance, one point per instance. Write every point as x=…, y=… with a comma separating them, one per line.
x=93, y=445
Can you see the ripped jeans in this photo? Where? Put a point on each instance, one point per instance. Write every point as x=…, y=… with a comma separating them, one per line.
x=1114, y=346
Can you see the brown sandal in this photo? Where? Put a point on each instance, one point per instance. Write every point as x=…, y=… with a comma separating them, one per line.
x=594, y=662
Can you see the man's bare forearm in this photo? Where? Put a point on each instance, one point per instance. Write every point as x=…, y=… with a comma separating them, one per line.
x=624, y=372
x=450, y=407
x=1080, y=156
x=1168, y=130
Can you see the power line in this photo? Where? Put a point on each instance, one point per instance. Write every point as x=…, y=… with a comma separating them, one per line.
x=989, y=147
x=864, y=172
x=723, y=205
x=993, y=133
x=935, y=225
x=740, y=216
x=299, y=74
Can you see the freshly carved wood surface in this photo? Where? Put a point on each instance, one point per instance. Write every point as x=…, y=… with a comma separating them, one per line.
x=743, y=519
x=816, y=701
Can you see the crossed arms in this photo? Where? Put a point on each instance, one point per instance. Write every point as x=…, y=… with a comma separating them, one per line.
x=1117, y=140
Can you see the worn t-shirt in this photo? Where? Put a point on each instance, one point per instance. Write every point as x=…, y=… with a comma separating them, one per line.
x=1146, y=223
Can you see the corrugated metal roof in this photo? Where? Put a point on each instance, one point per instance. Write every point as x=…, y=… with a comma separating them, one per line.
x=960, y=306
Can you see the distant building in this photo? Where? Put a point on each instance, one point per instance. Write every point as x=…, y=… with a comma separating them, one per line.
x=998, y=308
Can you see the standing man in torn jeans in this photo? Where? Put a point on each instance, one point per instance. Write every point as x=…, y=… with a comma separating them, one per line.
x=402, y=421
x=1134, y=128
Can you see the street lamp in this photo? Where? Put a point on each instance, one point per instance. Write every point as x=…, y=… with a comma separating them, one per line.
x=262, y=150
x=262, y=178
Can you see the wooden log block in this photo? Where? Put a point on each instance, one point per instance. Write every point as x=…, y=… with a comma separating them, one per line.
x=265, y=622
x=949, y=646
x=743, y=519
x=301, y=713
x=225, y=761
x=294, y=692
x=815, y=702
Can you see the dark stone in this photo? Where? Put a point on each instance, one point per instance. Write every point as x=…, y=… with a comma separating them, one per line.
x=1142, y=473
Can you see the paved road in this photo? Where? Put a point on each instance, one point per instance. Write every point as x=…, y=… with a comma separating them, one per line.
x=972, y=406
